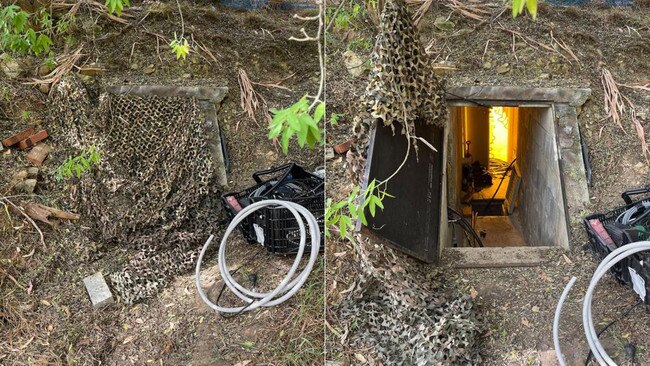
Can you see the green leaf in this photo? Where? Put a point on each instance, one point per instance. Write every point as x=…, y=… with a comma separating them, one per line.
x=319, y=112
x=303, y=135
x=371, y=205
x=294, y=122
x=20, y=21
x=362, y=217
x=531, y=5
x=286, y=136
x=379, y=203
x=344, y=223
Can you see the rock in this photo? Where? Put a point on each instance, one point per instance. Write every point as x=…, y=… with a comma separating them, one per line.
x=18, y=177
x=32, y=172
x=150, y=69
x=44, y=88
x=443, y=24
x=44, y=70
x=100, y=294
x=353, y=63
x=10, y=67
x=26, y=186
x=503, y=68
x=329, y=153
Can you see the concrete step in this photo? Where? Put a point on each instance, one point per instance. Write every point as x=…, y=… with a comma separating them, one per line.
x=494, y=257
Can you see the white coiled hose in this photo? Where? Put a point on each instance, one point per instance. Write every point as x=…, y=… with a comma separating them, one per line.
x=587, y=319
x=289, y=285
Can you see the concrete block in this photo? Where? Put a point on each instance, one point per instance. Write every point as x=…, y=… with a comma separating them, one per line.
x=100, y=294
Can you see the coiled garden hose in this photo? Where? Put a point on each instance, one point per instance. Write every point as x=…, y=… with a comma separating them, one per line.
x=587, y=319
x=289, y=285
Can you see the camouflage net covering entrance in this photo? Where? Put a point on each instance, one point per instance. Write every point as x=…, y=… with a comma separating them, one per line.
x=154, y=192
x=401, y=309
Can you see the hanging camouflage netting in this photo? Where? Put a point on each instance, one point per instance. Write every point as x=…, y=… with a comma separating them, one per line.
x=408, y=320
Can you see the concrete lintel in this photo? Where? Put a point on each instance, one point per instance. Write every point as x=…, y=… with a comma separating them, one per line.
x=214, y=94
x=573, y=96
x=493, y=257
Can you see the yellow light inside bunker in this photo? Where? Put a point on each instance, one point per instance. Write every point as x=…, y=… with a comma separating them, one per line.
x=498, y=134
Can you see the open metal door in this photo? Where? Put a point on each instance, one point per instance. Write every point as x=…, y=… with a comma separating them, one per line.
x=411, y=220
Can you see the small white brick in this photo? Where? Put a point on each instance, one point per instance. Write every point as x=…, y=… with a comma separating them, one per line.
x=98, y=290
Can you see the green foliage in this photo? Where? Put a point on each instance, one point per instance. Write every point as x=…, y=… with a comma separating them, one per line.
x=360, y=44
x=77, y=165
x=16, y=36
x=25, y=115
x=335, y=117
x=297, y=120
x=518, y=7
x=347, y=16
x=345, y=213
x=116, y=6
x=180, y=47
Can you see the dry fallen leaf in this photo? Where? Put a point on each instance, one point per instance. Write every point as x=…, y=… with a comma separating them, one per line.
x=128, y=339
x=525, y=322
x=360, y=357
x=566, y=259
x=473, y=293
x=243, y=363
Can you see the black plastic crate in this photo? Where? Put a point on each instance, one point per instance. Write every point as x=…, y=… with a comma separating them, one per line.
x=276, y=227
x=639, y=261
x=280, y=228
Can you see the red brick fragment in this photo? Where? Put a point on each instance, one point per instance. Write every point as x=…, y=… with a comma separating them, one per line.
x=38, y=154
x=13, y=140
x=343, y=148
x=33, y=139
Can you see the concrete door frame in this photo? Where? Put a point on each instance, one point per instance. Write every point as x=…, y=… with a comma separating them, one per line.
x=565, y=104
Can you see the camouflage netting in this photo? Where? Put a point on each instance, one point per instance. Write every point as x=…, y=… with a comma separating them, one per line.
x=154, y=191
x=407, y=315
x=401, y=86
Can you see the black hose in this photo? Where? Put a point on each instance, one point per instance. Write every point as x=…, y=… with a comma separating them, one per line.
x=465, y=225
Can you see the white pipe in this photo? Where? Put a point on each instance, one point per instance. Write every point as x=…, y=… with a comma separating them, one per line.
x=556, y=322
x=608, y=262
x=289, y=285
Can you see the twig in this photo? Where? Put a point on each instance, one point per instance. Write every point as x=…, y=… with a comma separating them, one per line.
x=182, y=21
x=66, y=64
x=639, y=129
x=318, y=39
x=40, y=233
x=248, y=96
x=614, y=106
x=421, y=11
x=485, y=49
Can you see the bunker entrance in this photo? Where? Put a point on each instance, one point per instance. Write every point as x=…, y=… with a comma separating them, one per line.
x=504, y=176
x=510, y=165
